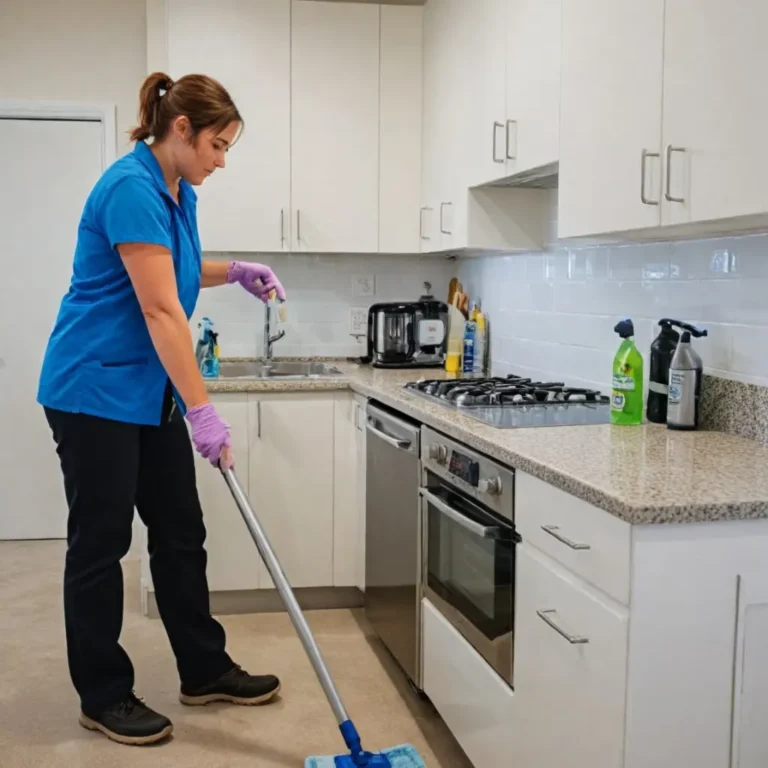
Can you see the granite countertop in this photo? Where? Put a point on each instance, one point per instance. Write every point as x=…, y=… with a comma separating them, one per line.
x=643, y=475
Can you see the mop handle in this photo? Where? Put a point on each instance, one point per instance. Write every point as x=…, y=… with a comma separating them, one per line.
x=286, y=594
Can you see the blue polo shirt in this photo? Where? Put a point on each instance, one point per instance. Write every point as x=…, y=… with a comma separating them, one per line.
x=100, y=359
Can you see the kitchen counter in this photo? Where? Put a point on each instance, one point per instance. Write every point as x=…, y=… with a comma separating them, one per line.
x=643, y=475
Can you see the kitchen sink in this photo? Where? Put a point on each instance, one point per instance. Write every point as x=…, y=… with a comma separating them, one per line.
x=253, y=369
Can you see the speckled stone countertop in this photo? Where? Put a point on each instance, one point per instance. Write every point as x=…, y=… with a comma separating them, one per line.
x=643, y=475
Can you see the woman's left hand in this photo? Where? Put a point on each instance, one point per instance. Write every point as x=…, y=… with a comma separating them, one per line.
x=258, y=279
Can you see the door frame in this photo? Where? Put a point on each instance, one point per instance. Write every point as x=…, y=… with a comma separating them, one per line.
x=85, y=111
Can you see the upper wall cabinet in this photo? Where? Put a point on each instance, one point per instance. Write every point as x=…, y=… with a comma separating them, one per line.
x=464, y=140
x=660, y=124
x=330, y=92
x=246, y=45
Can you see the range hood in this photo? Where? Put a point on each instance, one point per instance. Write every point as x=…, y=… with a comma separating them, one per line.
x=543, y=177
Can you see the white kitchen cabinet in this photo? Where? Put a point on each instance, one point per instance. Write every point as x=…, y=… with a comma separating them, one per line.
x=610, y=112
x=460, y=95
x=476, y=704
x=291, y=480
x=570, y=669
x=335, y=126
x=246, y=45
x=400, y=128
x=531, y=137
x=715, y=60
x=345, y=492
x=750, y=738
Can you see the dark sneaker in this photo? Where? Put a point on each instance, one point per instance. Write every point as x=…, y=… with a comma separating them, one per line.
x=236, y=686
x=129, y=722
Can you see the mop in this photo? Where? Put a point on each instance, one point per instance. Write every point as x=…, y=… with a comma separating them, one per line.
x=403, y=756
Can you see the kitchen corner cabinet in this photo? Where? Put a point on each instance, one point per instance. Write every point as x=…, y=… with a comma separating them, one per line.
x=464, y=86
x=683, y=147
x=330, y=92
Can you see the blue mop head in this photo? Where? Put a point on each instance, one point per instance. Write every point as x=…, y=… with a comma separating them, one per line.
x=402, y=756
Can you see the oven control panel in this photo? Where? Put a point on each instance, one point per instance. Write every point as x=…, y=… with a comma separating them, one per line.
x=476, y=475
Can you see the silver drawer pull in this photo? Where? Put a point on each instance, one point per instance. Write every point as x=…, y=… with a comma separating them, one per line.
x=553, y=530
x=572, y=639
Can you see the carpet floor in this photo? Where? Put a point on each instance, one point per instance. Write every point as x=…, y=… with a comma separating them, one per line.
x=39, y=708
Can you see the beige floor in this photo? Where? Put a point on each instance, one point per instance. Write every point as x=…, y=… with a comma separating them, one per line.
x=38, y=708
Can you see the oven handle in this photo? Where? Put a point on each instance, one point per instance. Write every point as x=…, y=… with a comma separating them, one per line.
x=485, y=532
x=396, y=442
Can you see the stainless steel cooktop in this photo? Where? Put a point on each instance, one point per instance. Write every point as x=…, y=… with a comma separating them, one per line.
x=516, y=401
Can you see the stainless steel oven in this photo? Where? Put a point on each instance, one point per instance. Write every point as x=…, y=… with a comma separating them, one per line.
x=469, y=543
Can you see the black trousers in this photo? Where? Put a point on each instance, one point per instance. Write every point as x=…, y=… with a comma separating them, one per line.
x=109, y=467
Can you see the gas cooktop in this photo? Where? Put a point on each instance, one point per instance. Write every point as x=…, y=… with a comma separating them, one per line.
x=516, y=401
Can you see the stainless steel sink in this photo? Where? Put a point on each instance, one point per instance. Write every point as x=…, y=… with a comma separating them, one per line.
x=274, y=370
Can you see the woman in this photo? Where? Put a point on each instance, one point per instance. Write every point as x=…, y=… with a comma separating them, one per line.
x=118, y=377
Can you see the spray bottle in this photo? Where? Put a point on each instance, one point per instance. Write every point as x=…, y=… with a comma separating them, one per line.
x=627, y=390
x=662, y=352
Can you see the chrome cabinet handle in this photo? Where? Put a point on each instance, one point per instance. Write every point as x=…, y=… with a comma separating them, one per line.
x=395, y=442
x=298, y=225
x=668, y=188
x=484, y=532
x=258, y=419
x=572, y=639
x=643, y=156
x=509, y=123
x=444, y=231
x=553, y=530
x=496, y=127
x=282, y=228
x=421, y=223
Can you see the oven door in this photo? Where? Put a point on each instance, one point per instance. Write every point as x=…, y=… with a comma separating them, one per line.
x=469, y=570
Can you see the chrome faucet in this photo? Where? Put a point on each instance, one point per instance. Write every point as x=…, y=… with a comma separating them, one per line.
x=269, y=338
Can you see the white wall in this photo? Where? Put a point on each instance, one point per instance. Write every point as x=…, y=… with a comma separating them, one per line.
x=320, y=295
x=76, y=50
x=552, y=313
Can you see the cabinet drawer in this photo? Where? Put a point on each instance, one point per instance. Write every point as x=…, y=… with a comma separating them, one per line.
x=474, y=701
x=570, y=669
x=591, y=542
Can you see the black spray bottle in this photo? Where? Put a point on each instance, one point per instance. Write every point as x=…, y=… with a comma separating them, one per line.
x=662, y=352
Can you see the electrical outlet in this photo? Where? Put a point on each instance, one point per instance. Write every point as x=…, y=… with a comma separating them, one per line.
x=358, y=321
x=363, y=285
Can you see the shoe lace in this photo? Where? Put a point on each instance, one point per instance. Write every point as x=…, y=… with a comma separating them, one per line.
x=129, y=703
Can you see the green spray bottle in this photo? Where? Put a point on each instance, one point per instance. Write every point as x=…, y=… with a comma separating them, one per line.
x=627, y=392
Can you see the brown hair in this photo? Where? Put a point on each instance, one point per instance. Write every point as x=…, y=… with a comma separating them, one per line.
x=203, y=100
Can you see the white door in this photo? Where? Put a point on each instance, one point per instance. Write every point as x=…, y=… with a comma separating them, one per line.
x=715, y=62
x=335, y=126
x=291, y=480
x=48, y=170
x=245, y=44
x=532, y=130
x=610, y=112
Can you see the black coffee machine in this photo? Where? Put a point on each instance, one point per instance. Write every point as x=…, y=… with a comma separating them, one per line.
x=408, y=334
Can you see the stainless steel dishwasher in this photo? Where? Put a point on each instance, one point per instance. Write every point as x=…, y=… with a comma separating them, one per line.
x=393, y=536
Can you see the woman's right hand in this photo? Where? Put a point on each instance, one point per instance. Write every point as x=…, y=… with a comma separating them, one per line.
x=210, y=435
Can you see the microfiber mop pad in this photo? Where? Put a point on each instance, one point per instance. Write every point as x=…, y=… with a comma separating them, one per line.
x=402, y=756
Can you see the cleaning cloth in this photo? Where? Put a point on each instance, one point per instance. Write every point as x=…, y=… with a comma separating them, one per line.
x=402, y=756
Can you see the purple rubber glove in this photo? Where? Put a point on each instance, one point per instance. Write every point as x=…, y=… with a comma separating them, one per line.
x=257, y=279
x=210, y=435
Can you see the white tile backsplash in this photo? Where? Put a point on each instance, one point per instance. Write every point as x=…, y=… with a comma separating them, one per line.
x=552, y=312
x=320, y=293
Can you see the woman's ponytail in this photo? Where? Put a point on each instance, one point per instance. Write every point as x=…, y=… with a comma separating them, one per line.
x=154, y=87
x=201, y=99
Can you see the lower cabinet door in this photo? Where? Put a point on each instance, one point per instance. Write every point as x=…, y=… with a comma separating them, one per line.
x=233, y=561
x=570, y=670
x=475, y=703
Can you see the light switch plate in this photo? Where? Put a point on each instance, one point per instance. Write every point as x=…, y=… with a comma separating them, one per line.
x=363, y=285
x=358, y=321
